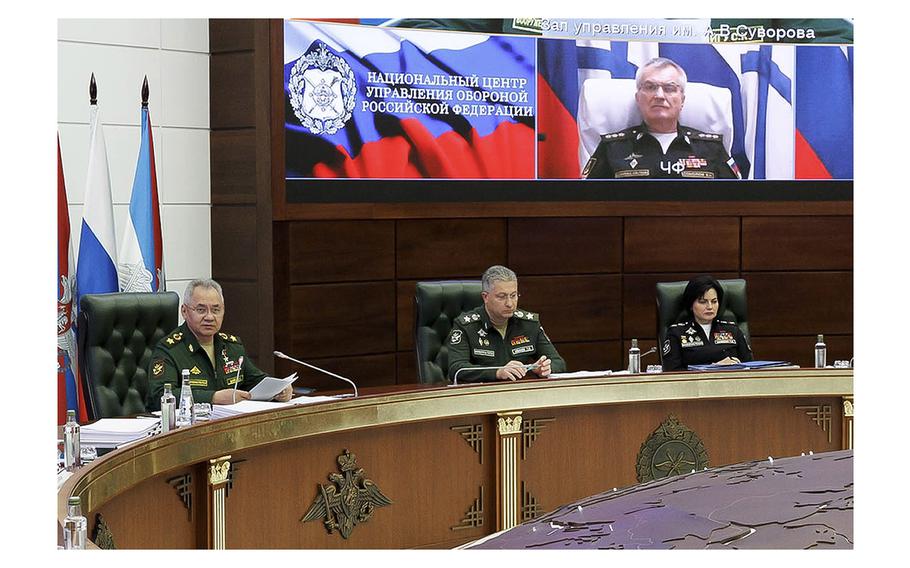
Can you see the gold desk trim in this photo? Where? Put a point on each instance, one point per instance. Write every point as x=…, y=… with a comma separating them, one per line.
x=107, y=477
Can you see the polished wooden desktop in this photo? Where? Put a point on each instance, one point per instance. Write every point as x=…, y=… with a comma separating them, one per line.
x=452, y=464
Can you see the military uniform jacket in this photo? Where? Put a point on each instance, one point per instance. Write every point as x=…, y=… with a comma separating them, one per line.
x=474, y=342
x=634, y=153
x=686, y=345
x=181, y=350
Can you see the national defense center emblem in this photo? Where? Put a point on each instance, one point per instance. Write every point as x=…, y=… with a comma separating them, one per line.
x=322, y=90
x=349, y=502
x=670, y=450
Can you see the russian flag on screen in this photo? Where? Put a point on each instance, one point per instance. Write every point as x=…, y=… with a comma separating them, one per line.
x=744, y=92
x=344, y=117
x=824, y=112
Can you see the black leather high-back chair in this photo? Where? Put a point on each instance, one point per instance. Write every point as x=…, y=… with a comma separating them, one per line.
x=670, y=308
x=437, y=305
x=117, y=333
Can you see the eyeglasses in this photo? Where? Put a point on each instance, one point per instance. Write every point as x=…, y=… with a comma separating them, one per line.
x=503, y=297
x=651, y=87
x=203, y=310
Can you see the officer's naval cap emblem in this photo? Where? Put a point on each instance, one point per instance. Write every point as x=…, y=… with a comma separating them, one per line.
x=322, y=90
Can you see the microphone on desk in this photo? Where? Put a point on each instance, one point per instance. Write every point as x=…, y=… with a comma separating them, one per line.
x=529, y=367
x=314, y=367
x=649, y=351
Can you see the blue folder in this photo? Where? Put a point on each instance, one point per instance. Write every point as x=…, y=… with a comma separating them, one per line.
x=741, y=366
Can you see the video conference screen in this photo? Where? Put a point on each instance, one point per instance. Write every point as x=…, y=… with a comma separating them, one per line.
x=546, y=100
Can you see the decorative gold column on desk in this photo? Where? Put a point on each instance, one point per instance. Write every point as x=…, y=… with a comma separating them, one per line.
x=847, y=438
x=507, y=459
x=218, y=479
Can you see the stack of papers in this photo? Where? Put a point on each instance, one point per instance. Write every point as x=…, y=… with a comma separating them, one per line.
x=114, y=432
x=247, y=406
x=580, y=374
x=739, y=366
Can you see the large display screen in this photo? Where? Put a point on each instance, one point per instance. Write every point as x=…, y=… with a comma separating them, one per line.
x=540, y=100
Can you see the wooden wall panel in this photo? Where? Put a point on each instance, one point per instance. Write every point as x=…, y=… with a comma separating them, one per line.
x=230, y=35
x=234, y=228
x=405, y=291
x=591, y=355
x=233, y=158
x=364, y=370
x=236, y=106
x=575, y=245
x=800, y=349
x=800, y=243
x=333, y=320
x=341, y=251
x=575, y=308
x=242, y=314
x=800, y=303
x=639, y=308
x=691, y=244
x=407, y=367
x=448, y=248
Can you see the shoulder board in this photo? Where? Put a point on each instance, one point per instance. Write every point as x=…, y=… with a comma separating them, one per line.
x=525, y=315
x=173, y=339
x=727, y=322
x=229, y=338
x=680, y=324
x=613, y=136
x=707, y=136
x=467, y=318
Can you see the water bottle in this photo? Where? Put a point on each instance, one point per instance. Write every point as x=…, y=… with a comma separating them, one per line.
x=168, y=410
x=821, y=352
x=75, y=526
x=72, y=446
x=634, y=357
x=185, y=412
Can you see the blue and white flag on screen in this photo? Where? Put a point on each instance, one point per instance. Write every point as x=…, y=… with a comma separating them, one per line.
x=742, y=91
x=96, y=270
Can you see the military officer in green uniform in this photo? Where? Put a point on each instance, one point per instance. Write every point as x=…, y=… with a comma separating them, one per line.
x=498, y=334
x=215, y=360
x=660, y=147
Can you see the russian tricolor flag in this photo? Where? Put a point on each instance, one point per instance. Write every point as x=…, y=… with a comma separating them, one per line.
x=96, y=272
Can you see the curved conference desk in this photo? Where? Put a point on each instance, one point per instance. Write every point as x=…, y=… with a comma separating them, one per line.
x=417, y=466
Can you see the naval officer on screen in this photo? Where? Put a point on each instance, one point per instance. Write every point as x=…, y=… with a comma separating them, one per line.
x=660, y=147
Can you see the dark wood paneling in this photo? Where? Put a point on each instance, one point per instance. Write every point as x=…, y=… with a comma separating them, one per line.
x=575, y=308
x=234, y=229
x=802, y=243
x=694, y=244
x=233, y=166
x=591, y=356
x=565, y=246
x=339, y=251
x=800, y=350
x=303, y=211
x=231, y=80
x=230, y=35
x=405, y=290
x=639, y=303
x=241, y=317
x=407, y=367
x=798, y=303
x=364, y=370
x=342, y=319
x=449, y=247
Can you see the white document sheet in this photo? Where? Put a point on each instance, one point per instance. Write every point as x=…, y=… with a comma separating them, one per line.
x=271, y=386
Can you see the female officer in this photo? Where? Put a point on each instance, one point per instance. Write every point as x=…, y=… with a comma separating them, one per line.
x=703, y=339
